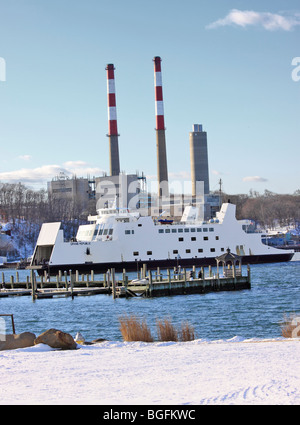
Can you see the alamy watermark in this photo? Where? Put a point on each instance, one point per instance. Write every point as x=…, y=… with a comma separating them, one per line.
x=2, y=329
x=296, y=331
x=2, y=69
x=296, y=71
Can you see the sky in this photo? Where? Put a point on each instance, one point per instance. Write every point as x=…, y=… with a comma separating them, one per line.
x=232, y=66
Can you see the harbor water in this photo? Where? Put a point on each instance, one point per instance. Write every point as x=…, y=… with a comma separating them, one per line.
x=255, y=313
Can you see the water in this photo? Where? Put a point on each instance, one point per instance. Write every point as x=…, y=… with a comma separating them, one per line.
x=254, y=313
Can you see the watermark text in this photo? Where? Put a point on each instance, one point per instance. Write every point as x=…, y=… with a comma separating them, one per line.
x=2, y=69
x=296, y=70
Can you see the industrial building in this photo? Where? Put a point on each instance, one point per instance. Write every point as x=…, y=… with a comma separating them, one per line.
x=129, y=190
x=78, y=190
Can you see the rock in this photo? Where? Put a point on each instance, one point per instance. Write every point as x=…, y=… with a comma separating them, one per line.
x=95, y=341
x=13, y=341
x=56, y=339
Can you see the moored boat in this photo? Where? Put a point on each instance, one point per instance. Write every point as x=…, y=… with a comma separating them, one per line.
x=120, y=239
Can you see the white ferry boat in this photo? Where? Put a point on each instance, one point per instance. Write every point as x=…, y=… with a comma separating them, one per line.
x=117, y=238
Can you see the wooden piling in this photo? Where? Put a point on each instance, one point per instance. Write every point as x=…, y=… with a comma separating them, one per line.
x=71, y=284
x=66, y=280
x=113, y=278
x=32, y=285
x=169, y=280
x=150, y=283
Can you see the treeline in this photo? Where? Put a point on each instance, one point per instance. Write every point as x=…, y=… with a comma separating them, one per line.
x=18, y=202
x=28, y=209
x=268, y=209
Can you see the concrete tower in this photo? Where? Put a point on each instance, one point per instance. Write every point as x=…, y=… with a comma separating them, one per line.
x=114, y=161
x=199, y=159
x=162, y=168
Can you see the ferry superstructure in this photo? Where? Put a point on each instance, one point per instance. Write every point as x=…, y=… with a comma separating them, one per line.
x=120, y=239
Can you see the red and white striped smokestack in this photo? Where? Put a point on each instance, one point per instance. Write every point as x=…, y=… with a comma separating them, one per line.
x=111, y=98
x=112, y=122
x=159, y=104
x=161, y=152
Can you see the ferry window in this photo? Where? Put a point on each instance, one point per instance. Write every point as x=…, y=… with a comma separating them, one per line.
x=205, y=229
x=135, y=253
x=160, y=230
x=132, y=231
x=140, y=225
x=180, y=239
x=168, y=231
x=193, y=239
x=188, y=251
x=110, y=231
x=149, y=252
x=180, y=230
x=222, y=249
x=174, y=230
x=100, y=232
x=205, y=238
x=211, y=229
x=199, y=229
x=217, y=238
x=175, y=251
x=193, y=229
x=105, y=232
x=127, y=232
x=186, y=230
x=212, y=250
x=200, y=250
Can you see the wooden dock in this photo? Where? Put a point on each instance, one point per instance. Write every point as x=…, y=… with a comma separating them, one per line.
x=148, y=283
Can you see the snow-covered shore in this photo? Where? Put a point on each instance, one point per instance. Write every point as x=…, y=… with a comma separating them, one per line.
x=118, y=373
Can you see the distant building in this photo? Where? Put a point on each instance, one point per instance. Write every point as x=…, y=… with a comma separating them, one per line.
x=77, y=190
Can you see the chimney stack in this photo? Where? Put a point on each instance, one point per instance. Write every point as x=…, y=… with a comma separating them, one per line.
x=114, y=160
x=162, y=169
x=199, y=159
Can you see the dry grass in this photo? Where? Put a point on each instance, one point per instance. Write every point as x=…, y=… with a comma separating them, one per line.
x=187, y=332
x=166, y=331
x=289, y=325
x=134, y=329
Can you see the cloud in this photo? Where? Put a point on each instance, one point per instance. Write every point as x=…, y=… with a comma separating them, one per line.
x=254, y=179
x=25, y=157
x=269, y=21
x=82, y=168
x=27, y=175
x=45, y=173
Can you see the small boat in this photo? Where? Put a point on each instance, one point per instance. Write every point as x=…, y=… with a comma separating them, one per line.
x=165, y=221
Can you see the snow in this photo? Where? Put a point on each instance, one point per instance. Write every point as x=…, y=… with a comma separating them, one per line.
x=234, y=371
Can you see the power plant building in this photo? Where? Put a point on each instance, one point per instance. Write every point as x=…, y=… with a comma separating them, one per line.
x=199, y=159
x=129, y=190
x=76, y=190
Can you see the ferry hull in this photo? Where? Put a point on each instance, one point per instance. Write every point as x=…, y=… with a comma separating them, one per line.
x=131, y=266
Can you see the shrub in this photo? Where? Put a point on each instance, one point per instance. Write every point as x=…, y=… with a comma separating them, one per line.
x=132, y=329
